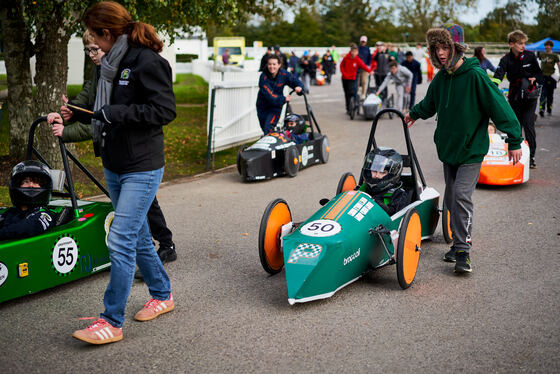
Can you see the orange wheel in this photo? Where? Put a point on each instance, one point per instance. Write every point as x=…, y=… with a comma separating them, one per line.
x=347, y=183
x=446, y=224
x=408, y=248
x=276, y=214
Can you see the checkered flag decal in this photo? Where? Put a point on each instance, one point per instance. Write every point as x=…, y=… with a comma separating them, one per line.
x=305, y=250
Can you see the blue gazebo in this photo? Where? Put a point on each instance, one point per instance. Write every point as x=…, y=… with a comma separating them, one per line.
x=539, y=46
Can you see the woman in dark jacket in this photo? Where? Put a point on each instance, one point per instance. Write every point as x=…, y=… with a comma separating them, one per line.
x=270, y=98
x=134, y=100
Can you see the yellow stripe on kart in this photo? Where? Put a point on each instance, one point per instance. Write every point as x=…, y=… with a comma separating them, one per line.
x=340, y=205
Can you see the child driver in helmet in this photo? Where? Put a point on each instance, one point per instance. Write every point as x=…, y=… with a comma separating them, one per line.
x=30, y=190
x=381, y=174
x=295, y=127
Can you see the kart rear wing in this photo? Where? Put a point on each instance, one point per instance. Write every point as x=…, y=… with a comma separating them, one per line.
x=409, y=160
x=65, y=153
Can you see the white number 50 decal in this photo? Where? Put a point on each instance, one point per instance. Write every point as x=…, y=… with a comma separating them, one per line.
x=321, y=228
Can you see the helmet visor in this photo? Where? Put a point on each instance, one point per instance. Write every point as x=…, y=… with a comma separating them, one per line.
x=376, y=163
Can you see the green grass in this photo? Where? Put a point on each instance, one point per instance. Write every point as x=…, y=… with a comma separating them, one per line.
x=3, y=82
x=185, y=140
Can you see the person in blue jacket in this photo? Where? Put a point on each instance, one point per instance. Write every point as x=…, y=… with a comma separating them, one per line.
x=270, y=98
x=414, y=66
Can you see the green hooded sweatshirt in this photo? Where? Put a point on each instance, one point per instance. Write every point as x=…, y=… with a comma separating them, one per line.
x=464, y=101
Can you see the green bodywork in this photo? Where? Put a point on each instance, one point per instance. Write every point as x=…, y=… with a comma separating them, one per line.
x=317, y=266
x=62, y=254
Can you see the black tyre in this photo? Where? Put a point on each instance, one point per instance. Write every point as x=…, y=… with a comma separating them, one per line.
x=325, y=150
x=346, y=183
x=352, y=107
x=276, y=214
x=239, y=151
x=391, y=104
x=446, y=224
x=291, y=161
x=408, y=248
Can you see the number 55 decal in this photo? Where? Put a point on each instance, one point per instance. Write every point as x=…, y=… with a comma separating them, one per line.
x=321, y=228
x=65, y=255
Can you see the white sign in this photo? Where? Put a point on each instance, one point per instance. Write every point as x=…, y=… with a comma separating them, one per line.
x=65, y=255
x=3, y=273
x=321, y=228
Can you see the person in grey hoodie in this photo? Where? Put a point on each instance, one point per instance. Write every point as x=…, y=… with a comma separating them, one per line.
x=402, y=77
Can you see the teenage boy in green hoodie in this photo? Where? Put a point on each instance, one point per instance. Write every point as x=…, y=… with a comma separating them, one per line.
x=464, y=98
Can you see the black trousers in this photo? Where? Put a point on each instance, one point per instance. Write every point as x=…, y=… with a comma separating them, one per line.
x=525, y=112
x=349, y=86
x=158, y=226
x=378, y=81
x=547, y=94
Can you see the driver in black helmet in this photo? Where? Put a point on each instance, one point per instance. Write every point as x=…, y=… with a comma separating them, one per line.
x=381, y=173
x=295, y=127
x=30, y=190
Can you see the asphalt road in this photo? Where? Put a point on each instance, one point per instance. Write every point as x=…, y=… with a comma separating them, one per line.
x=232, y=317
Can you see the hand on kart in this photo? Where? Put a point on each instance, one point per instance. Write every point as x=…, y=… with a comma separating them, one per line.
x=407, y=89
x=56, y=120
x=65, y=111
x=288, y=98
x=408, y=120
x=298, y=89
x=515, y=155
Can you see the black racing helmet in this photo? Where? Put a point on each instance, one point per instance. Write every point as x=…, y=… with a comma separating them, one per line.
x=29, y=196
x=382, y=159
x=299, y=127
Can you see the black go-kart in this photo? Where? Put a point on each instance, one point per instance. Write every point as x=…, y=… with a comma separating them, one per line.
x=277, y=154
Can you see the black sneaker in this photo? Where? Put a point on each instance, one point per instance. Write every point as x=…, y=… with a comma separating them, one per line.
x=449, y=256
x=532, y=164
x=541, y=113
x=463, y=262
x=138, y=274
x=167, y=254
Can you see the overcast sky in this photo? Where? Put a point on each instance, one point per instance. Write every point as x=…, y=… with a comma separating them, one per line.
x=486, y=6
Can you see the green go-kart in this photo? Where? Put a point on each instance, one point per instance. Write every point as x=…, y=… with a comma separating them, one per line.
x=74, y=248
x=350, y=234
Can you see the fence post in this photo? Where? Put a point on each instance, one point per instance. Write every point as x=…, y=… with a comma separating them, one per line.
x=211, y=129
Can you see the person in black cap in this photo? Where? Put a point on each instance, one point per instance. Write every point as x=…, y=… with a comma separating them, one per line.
x=264, y=59
x=281, y=56
x=30, y=190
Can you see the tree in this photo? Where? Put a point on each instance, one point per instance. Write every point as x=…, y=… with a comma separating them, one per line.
x=499, y=22
x=43, y=28
x=420, y=15
x=547, y=17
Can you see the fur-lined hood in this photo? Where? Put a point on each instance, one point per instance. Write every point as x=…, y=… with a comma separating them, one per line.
x=442, y=36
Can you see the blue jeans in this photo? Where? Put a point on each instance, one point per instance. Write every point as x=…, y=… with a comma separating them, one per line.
x=130, y=241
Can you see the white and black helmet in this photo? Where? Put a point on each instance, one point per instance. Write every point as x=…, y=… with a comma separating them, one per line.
x=382, y=159
x=299, y=127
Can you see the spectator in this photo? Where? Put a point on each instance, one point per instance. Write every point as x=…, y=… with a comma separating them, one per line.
x=365, y=55
x=349, y=69
x=293, y=64
x=335, y=56
x=264, y=59
x=281, y=56
x=307, y=70
x=382, y=59
x=225, y=57
x=548, y=62
x=419, y=52
x=485, y=64
x=328, y=66
x=414, y=66
x=521, y=68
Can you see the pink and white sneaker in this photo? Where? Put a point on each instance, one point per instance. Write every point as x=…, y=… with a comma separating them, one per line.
x=100, y=332
x=154, y=308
